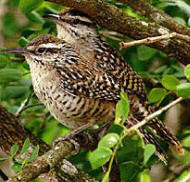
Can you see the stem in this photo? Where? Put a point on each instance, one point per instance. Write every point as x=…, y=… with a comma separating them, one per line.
x=27, y=107
x=153, y=115
x=23, y=104
x=151, y=40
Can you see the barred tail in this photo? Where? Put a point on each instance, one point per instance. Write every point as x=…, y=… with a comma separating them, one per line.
x=141, y=110
x=148, y=138
x=162, y=131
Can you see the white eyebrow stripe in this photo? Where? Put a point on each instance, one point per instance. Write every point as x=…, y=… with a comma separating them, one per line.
x=83, y=19
x=51, y=45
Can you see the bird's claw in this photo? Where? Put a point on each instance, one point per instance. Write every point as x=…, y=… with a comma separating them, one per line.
x=70, y=140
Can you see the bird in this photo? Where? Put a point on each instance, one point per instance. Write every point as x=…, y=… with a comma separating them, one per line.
x=113, y=73
x=78, y=90
x=79, y=78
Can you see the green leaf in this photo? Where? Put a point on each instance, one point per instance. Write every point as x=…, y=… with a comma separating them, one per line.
x=10, y=25
x=128, y=171
x=37, y=180
x=160, y=69
x=10, y=75
x=3, y=61
x=131, y=150
x=170, y=82
x=187, y=71
x=99, y=157
x=186, y=141
x=25, y=146
x=183, y=176
x=35, y=17
x=148, y=152
x=180, y=20
x=34, y=153
x=122, y=108
x=14, y=150
x=109, y=140
x=15, y=91
x=183, y=90
x=116, y=128
x=17, y=167
x=156, y=94
x=106, y=177
x=144, y=176
x=23, y=41
x=2, y=159
x=27, y=6
x=145, y=53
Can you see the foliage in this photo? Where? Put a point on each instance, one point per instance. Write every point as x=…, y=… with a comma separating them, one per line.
x=22, y=157
x=166, y=79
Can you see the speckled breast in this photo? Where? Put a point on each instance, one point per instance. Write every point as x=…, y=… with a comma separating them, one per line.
x=72, y=111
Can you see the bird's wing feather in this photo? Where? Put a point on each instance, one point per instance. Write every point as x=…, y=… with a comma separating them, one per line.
x=102, y=79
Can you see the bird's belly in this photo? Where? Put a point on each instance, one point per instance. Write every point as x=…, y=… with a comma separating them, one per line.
x=72, y=111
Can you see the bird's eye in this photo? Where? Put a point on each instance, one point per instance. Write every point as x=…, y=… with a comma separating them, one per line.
x=41, y=50
x=75, y=21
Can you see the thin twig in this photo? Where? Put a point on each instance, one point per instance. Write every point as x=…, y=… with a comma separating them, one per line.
x=74, y=132
x=177, y=171
x=23, y=105
x=151, y=40
x=16, y=59
x=27, y=107
x=112, y=35
x=155, y=114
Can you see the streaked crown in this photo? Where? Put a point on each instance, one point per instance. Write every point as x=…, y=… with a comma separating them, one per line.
x=73, y=24
x=45, y=49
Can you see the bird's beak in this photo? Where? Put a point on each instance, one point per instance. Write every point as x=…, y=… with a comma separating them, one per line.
x=53, y=17
x=15, y=51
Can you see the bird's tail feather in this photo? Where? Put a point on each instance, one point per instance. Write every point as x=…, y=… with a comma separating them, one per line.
x=161, y=130
x=148, y=138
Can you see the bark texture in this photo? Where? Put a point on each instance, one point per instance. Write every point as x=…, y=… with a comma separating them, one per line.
x=153, y=14
x=11, y=132
x=112, y=18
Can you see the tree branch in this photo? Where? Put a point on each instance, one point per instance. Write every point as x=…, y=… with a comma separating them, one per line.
x=44, y=163
x=11, y=132
x=156, y=15
x=113, y=18
x=151, y=40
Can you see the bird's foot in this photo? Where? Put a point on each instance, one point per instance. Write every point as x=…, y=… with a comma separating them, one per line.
x=89, y=139
x=70, y=140
x=72, y=137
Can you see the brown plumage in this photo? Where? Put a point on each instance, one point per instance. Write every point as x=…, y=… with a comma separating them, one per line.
x=79, y=78
x=110, y=73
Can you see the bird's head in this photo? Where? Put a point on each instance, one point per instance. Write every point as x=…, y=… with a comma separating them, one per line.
x=73, y=25
x=44, y=49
